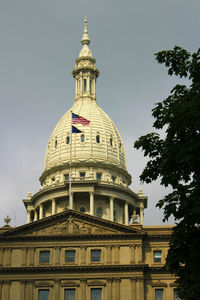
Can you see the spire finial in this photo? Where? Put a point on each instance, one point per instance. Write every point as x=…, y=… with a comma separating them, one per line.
x=85, y=39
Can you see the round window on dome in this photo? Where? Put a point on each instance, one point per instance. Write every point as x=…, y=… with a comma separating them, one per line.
x=82, y=138
x=67, y=140
x=98, y=139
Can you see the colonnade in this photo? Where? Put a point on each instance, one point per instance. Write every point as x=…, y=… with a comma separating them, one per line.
x=39, y=211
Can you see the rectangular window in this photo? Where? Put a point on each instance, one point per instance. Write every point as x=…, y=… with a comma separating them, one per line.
x=66, y=176
x=113, y=178
x=70, y=255
x=159, y=294
x=98, y=176
x=95, y=255
x=43, y=295
x=84, y=85
x=70, y=294
x=157, y=256
x=44, y=257
x=82, y=175
x=176, y=296
x=96, y=294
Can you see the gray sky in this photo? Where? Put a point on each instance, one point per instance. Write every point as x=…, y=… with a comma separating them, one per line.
x=39, y=42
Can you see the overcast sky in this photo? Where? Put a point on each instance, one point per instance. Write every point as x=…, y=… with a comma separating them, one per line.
x=39, y=42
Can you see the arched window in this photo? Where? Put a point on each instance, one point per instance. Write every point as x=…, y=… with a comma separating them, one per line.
x=82, y=138
x=67, y=140
x=111, y=141
x=99, y=212
x=90, y=85
x=56, y=143
x=84, y=85
x=82, y=209
x=98, y=139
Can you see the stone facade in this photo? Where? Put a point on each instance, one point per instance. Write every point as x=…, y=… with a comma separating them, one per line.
x=126, y=266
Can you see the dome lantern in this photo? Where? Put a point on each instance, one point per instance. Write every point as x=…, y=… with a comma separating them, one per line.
x=85, y=71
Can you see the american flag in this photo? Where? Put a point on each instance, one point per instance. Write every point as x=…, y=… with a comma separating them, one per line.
x=76, y=119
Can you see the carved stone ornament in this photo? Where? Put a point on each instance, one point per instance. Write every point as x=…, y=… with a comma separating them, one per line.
x=72, y=226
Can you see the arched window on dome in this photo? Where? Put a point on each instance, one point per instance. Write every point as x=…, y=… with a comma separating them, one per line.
x=111, y=142
x=90, y=85
x=84, y=85
x=67, y=140
x=82, y=138
x=82, y=209
x=56, y=143
x=99, y=212
x=98, y=139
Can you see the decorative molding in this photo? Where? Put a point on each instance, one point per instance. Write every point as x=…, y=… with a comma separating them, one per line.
x=69, y=284
x=43, y=284
x=96, y=283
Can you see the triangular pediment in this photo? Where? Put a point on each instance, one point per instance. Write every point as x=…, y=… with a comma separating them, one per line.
x=72, y=222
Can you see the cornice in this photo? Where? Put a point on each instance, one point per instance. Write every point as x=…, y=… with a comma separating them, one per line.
x=121, y=229
x=74, y=269
x=98, y=185
x=81, y=164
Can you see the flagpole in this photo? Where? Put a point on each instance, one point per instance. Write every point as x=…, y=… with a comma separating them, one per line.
x=70, y=169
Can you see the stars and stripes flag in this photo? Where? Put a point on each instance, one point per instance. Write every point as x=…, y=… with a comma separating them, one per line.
x=75, y=130
x=76, y=119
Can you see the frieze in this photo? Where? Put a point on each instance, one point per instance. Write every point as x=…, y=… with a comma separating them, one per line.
x=71, y=226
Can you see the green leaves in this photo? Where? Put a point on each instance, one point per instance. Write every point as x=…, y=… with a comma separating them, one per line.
x=175, y=159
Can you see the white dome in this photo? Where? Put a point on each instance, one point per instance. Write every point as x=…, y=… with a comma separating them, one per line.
x=102, y=141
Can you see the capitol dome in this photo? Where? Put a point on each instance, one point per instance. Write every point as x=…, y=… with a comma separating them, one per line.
x=86, y=171
x=100, y=142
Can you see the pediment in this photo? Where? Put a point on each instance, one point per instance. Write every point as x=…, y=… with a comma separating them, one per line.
x=73, y=226
x=71, y=222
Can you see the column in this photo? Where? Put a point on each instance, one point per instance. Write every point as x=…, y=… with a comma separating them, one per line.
x=56, y=290
x=139, y=253
x=116, y=253
x=109, y=288
x=28, y=216
x=8, y=257
x=133, y=289
x=141, y=213
x=24, y=256
x=22, y=293
x=116, y=291
x=1, y=257
x=83, y=254
x=91, y=203
x=31, y=256
x=140, y=289
x=35, y=215
x=6, y=294
x=132, y=254
x=1, y=283
x=83, y=289
x=126, y=213
x=29, y=290
x=111, y=209
x=41, y=211
x=53, y=207
x=57, y=255
x=108, y=252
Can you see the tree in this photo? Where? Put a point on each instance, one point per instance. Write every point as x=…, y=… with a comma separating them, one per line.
x=175, y=159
